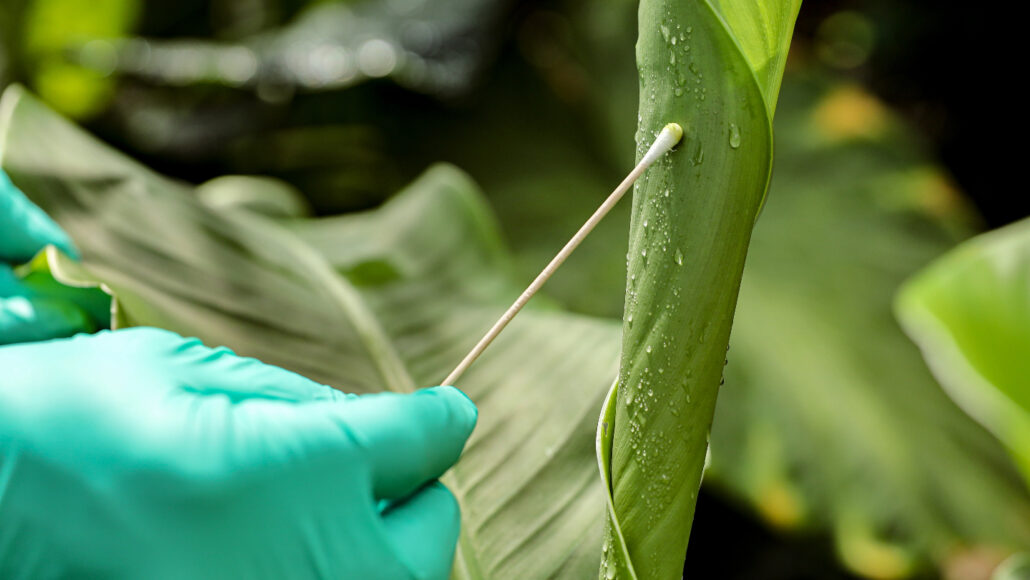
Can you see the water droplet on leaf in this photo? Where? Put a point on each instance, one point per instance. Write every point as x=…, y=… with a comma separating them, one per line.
x=734, y=135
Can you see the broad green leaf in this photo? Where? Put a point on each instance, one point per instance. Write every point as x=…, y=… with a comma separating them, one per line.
x=423, y=277
x=969, y=312
x=150, y=242
x=528, y=481
x=705, y=68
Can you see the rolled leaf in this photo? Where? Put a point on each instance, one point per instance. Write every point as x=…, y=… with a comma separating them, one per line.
x=714, y=68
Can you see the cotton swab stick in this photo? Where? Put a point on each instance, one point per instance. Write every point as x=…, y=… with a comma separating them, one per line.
x=669, y=136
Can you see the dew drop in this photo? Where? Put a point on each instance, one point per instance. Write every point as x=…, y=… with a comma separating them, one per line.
x=734, y=135
x=679, y=257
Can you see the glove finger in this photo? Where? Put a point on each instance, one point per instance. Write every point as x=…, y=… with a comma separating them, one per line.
x=24, y=319
x=424, y=531
x=409, y=439
x=10, y=284
x=219, y=371
x=26, y=228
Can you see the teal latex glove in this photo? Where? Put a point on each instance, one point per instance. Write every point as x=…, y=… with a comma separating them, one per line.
x=140, y=454
x=37, y=309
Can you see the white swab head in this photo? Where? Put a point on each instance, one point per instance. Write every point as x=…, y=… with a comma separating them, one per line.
x=666, y=140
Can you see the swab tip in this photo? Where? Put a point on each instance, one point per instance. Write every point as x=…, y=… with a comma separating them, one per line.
x=675, y=130
x=667, y=138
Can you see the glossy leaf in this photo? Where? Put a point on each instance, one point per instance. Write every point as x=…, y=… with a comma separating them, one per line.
x=969, y=312
x=716, y=72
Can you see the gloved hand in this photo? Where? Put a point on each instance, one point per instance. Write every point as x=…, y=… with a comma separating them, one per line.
x=140, y=454
x=39, y=309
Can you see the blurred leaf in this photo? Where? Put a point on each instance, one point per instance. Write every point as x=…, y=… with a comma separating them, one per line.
x=1015, y=568
x=969, y=312
x=432, y=46
x=264, y=195
x=531, y=500
x=54, y=29
x=836, y=424
x=226, y=277
x=714, y=68
x=39, y=277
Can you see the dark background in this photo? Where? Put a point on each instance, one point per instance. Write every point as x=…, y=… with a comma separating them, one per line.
x=953, y=69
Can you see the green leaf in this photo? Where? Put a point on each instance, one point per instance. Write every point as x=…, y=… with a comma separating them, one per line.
x=705, y=68
x=970, y=314
x=263, y=195
x=230, y=278
x=54, y=28
x=1015, y=568
x=531, y=500
x=528, y=480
